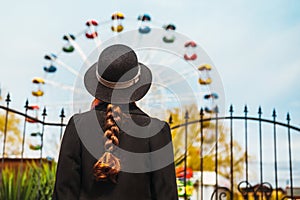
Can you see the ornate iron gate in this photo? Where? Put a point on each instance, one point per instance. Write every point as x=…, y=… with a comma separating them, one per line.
x=244, y=189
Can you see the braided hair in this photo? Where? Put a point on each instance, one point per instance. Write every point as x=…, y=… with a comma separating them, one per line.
x=108, y=166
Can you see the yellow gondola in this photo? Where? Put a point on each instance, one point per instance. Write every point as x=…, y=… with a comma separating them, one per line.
x=117, y=15
x=38, y=93
x=37, y=80
x=117, y=25
x=204, y=67
x=204, y=81
x=118, y=28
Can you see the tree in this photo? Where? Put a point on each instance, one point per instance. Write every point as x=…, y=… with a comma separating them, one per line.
x=209, y=144
x=13, y=134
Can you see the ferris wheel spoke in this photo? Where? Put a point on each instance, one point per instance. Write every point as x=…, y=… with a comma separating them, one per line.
x=65, y=87
x=67, y=67
x=170, y=98
x=184, y=77
x=78, y=49
x=67, y=104
x=98, y=42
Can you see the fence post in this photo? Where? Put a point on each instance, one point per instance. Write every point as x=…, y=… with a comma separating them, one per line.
x=231, y=152
x=44, y=114
x=246, y=143
x=62, y=116
x=216, y=152
x=260, y=150
x=260, y=145
x=275, y=154
x=5, y=127
x=201, y=152
x=248, y=188
x=24, y=131
x=290, y=156
x=186, y=117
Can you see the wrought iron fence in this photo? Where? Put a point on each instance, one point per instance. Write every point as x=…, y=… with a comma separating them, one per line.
x=244, y=188
x=28, y=119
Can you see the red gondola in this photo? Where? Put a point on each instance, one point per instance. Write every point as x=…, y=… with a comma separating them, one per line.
x=180, y=172
x=33, y=107
x=30, y=120
x=91, y=22
x=91, y=33
x=190, y=44
x=192, y=57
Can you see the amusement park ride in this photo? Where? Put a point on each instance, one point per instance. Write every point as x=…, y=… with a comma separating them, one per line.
x=183, y=73
x=172, y=48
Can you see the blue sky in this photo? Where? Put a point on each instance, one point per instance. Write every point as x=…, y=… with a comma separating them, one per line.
x=254, y=45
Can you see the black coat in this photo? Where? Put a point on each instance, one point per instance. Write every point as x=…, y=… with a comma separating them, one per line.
x=147, y=171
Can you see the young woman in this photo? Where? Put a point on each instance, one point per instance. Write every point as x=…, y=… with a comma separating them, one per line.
x=116, y=151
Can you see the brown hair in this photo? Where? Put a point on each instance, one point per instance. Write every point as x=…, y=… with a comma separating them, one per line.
x=108, y=166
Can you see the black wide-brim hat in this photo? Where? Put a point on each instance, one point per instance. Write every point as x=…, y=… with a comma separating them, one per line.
x=118, y=77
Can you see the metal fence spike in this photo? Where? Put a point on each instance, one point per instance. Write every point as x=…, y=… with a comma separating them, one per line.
x=186, y=115
x=170, y=119
x=231, y=109
x=274, y=113
x=259, y=110
x=62, y=113
x=216, y=109
x=201, y=111
x=44, y=112
x=26, y=104
x=8, y=98
x=288, y=118
x=246, y=109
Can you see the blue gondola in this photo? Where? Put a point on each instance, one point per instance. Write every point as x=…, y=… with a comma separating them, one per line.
x=50, y=69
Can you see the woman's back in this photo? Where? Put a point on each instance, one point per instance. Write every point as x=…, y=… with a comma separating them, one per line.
x=144, y=173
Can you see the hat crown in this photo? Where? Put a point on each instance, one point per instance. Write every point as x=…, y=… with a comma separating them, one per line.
x=117, y=63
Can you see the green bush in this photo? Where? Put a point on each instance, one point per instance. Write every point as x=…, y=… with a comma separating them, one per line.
x=28, y=183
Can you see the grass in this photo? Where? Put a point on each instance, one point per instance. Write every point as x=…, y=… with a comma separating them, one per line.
x=31, y=181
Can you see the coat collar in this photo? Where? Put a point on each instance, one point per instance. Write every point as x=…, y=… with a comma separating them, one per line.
x=131, y=108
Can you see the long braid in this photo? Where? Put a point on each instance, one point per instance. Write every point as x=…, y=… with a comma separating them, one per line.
x=108, y=166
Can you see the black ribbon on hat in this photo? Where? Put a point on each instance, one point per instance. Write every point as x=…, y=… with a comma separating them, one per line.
x=119, y=85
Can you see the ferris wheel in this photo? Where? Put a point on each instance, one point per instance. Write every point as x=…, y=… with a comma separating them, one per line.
x=173, y=57
x=183, y=73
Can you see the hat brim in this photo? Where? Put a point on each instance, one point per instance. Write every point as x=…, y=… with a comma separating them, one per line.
x=118, y=96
